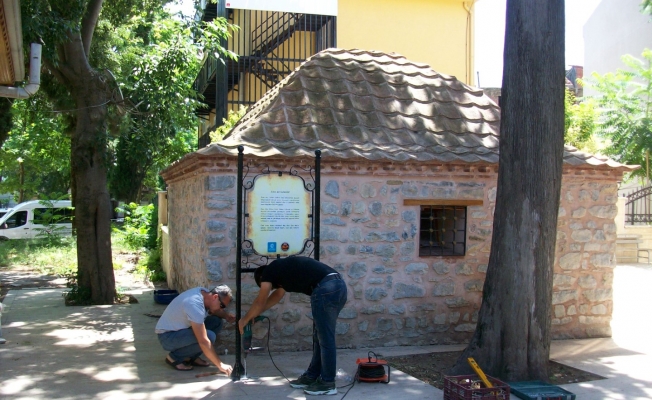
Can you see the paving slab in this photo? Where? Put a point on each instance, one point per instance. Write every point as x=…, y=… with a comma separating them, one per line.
x=111, y=352
x=108, y=352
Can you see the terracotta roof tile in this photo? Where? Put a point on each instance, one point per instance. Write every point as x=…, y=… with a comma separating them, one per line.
x=377, y=106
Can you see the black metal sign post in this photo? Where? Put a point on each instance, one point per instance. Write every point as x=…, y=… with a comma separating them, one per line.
x=316, y=211
x=310, y=246
x=238, y=368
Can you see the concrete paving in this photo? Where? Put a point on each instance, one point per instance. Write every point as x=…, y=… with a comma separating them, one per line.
x=111, y=352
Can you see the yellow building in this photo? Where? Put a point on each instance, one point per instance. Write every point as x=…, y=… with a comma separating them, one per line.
x=275, y=37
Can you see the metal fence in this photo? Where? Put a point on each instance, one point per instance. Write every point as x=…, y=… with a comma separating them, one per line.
x=638, y=206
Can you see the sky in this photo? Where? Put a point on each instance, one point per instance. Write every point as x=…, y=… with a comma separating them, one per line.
x=490, y=37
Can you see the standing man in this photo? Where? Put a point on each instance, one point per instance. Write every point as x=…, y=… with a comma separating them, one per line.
x=190, y=324
x=327, y=293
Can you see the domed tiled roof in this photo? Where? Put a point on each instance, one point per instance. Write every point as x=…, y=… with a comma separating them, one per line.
x=376, y=106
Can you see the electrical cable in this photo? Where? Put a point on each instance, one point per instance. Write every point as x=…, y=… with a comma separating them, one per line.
x=373, y=372
x=77, y=109
x=355, y=378
x=269, y=351
x=269, y=330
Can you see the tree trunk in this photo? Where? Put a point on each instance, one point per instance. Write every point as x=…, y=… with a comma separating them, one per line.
x=512, y=336
x=6, y=119
x=91, y=196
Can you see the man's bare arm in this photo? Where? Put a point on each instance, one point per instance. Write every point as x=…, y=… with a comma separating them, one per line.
x=258, y=305
x=274, y=298
x=207, y=347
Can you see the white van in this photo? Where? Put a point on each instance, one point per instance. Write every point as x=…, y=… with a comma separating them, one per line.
x=30, y=219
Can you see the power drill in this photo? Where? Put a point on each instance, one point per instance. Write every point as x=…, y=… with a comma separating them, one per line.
x=247, y=335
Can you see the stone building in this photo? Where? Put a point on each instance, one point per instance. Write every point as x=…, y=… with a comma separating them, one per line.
x=405, y=151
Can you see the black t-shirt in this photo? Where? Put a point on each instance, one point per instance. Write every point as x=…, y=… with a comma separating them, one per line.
x=296, y=274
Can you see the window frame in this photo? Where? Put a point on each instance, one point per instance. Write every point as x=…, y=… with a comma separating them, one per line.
x=445, y=207
x=52, y=215
x=13, y=218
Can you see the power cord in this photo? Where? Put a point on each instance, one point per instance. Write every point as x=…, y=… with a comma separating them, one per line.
x=355, y=378
x=372, y=372
x=269, y=351
x=269, y=330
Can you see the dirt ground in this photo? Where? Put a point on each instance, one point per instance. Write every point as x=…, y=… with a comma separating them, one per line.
x=24, y=277
x=432, y=367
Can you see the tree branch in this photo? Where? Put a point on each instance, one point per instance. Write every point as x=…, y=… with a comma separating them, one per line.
x=54, y=71
x=76, y=60
x=88, y=23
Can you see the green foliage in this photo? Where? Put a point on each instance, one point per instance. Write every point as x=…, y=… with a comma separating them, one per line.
x=136, y=230
x=35, y=159
x=158, y=60
x=151, y=57
x=646, y=6
x=77, y=295
x=152, y=230
x=228, y=123
x=53, y=231
x=150, y=266
x=580, y=123
x=625, y=102
x=50, y=21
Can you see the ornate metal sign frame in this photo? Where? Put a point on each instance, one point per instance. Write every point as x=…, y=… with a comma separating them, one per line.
x=247, y=259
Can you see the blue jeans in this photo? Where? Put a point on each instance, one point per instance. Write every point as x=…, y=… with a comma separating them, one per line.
x=327, y=301
x=183, y=344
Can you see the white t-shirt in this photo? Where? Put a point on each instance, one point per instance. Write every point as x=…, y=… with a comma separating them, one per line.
x=185, y=308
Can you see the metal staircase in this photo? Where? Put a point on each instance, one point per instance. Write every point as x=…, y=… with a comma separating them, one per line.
x=269, y=66
x=267, y=49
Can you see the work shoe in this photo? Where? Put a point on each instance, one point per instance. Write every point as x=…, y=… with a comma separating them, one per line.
x=302, y=382
x=321, y=387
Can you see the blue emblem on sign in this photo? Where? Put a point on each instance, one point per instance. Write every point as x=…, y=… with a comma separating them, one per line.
x=271, y=247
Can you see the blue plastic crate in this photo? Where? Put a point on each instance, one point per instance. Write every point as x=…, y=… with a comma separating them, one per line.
x=538, y=390
x=165, y=296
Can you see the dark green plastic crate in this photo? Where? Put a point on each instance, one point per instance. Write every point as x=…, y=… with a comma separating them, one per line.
x=538, y=390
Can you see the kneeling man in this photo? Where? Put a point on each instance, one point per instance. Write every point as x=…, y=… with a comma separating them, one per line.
x=189, y=326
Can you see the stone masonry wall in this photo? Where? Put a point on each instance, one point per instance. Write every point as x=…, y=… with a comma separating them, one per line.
x=187, y=229
x=585, y=256
x=371, y=237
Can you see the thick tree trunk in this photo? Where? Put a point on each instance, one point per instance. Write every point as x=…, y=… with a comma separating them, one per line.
x=512, y=337
x=6, y=119
x=133, y=168
x=91, y=196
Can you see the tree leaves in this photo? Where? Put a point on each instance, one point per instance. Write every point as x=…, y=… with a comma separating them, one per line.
x=159, y=60
x=155, y=58
x=625, y=103
x=580, y=123
x=38, y=142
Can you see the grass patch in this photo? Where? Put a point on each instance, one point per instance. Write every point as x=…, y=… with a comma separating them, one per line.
x=46, y=257
x=148, y=264
x=57, y=256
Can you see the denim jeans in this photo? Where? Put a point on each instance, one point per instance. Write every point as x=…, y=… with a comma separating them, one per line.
x=327, y=301
x=183, y=344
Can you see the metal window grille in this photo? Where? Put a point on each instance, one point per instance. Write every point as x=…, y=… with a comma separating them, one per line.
x=442, y=231
x=639, y=206
x=270, y=45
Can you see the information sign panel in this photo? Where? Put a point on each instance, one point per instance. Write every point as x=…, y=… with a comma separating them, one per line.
x=278, y=209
